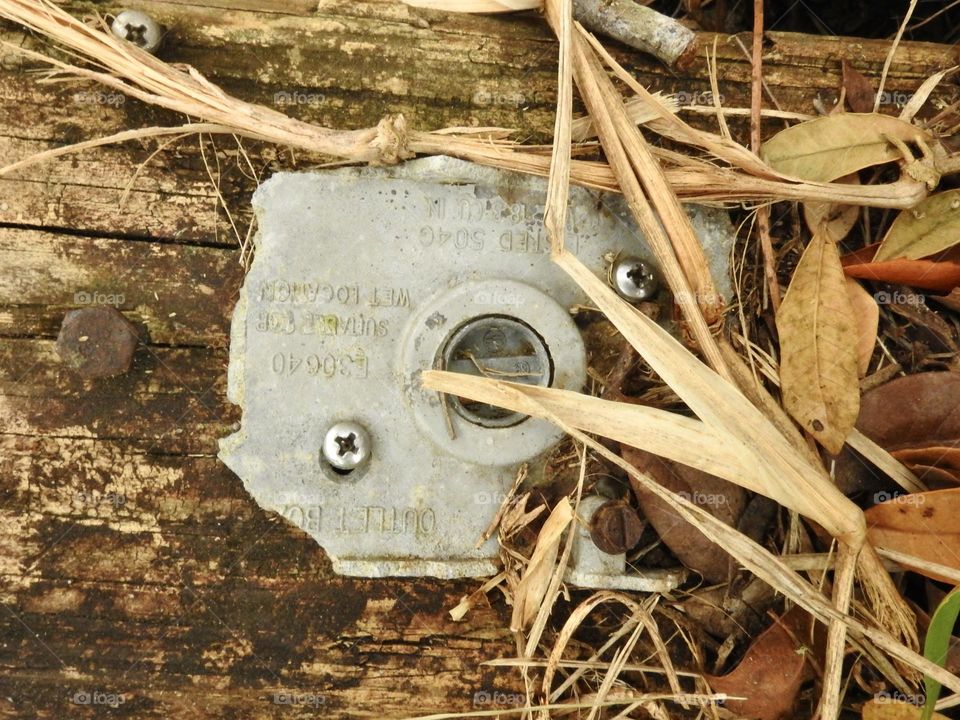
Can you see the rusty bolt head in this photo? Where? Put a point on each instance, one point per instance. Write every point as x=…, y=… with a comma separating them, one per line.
x=615, y=527
x=97, y=342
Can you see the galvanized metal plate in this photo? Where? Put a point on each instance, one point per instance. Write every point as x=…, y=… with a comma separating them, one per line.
x=361, y=278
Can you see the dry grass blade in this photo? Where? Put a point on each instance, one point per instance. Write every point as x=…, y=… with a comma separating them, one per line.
x=128, y=69
x=677, y=437
x=923, y=93
x=560, y=15
x=787, y=475
x=638, y=110
x=760, y=561
x=880, y=457
x=601, y=99
x=683, y=247
x=536, y=577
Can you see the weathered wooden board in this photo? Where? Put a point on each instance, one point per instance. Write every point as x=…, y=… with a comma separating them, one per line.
x=132, y=563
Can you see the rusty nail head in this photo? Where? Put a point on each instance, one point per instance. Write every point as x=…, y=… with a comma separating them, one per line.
x=97, y=342
x=615, y=527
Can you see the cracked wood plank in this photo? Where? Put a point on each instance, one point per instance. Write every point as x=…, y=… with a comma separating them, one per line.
x=131, y=561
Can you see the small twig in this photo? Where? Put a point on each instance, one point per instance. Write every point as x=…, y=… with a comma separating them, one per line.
x=756, y=100
x=640, y=27
x=893, y=51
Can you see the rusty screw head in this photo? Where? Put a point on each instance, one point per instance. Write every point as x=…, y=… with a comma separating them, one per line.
x=615, y=527
x=97, y=342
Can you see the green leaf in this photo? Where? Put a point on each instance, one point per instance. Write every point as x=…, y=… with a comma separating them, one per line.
x=933, y=225
x=937, y=643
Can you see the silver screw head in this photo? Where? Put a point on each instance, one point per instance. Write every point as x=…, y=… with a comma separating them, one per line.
x=634, y=279
x=347, y=445
x=139, y=28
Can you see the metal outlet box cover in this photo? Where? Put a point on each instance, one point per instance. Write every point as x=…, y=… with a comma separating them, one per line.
x=361, y=278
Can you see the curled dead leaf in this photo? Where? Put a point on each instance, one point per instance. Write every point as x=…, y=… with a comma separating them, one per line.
x=892, y=709
x=866, y=313
x=860, y=93
x=720, y=498
x=818, y=355
x=951, y=301
x=917, y=419
x=940, y=272
x=771, y=673
x=829, y=147
x=923, y=525
x=930, y=227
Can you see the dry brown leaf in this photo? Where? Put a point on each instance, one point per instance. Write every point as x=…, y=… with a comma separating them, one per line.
x=829, y=147
x=922, y=525
x=720, y=498
x=771, y=673
x=860, y=94
x=941, y=272
x=866, y=313
x=913, y=411
x=890, y=709
x=917, y=420
x=536, y=577
x=951, y=300
x=818, y=355
x=840, y=218
x=939, y=464
x=930, y=227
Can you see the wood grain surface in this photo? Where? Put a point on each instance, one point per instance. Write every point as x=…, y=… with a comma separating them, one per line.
x=137, y=578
